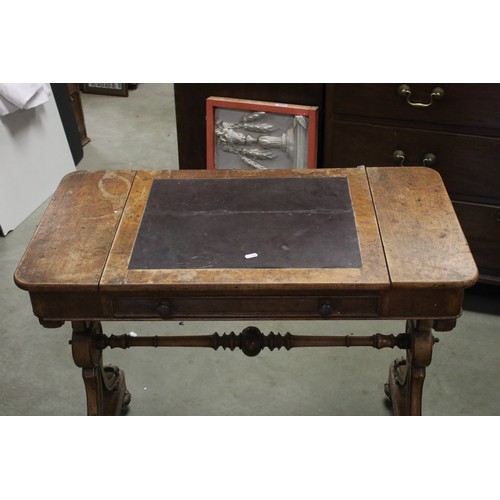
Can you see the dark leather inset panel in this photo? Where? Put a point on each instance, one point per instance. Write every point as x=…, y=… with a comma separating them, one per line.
x=219, y=223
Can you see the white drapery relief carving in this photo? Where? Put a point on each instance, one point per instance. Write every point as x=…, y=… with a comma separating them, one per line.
x=258, y=138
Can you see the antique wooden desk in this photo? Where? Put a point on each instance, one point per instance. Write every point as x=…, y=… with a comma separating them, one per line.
x=326, y=244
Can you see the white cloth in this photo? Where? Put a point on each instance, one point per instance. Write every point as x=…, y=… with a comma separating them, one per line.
x=14, y=96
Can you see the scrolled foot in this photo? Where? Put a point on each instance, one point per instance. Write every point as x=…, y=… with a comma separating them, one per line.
x=126, y=399
x=387, y=392
x=115, y=393
x=396, y=387
x=112, y=373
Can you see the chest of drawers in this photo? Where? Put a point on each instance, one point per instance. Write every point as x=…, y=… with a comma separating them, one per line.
x=452, y=128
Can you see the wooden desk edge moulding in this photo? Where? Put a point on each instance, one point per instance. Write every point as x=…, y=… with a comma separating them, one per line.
x=415, y=265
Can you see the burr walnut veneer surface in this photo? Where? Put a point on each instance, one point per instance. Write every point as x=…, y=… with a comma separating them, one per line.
x=384, y=235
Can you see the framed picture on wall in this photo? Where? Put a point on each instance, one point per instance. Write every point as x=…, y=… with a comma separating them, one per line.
x=245, y=135
x=119, y=89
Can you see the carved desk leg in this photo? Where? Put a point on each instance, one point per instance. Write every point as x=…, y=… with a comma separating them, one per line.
x=104, y=385
x=406, y=376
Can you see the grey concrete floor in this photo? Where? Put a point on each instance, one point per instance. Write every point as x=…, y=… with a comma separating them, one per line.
x=38, y=377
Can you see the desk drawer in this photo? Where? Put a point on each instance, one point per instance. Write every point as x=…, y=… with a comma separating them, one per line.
x=463, y=105
x=469, y=165
x=248, y=307
x=481, y=226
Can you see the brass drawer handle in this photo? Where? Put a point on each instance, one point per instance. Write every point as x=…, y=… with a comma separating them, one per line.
x=404, y=90
x=429, y=160
x=398, y=157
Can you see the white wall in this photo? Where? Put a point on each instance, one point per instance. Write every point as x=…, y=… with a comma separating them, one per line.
x=34, y=156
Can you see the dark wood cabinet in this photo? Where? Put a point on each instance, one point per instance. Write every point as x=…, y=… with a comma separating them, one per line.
x=457, y=134
x=455, y=131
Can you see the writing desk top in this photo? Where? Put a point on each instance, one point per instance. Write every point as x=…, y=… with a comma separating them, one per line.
x=362, y=229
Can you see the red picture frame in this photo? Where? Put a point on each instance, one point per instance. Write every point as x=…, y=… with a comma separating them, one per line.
x=250, y=143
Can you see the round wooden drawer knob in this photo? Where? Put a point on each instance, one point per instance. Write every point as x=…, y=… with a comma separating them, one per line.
x=164, y=309
x=325, y=309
